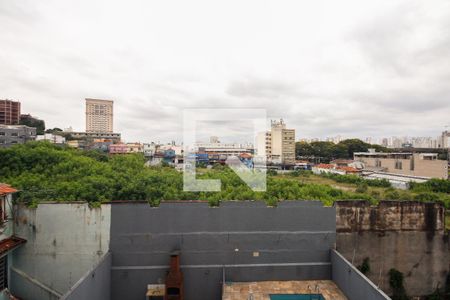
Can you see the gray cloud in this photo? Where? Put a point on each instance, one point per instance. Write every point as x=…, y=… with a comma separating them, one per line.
x=360, y=69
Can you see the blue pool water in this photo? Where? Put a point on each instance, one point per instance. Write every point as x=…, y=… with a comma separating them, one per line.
x=297, y=297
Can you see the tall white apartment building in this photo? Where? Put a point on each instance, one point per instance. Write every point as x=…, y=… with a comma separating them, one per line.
x=99, y=115
x=278, y=144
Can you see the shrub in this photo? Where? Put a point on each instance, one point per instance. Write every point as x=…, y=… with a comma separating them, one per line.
x=396, y=284
x=365, y=266
x=272, y=172
x=392, y=195
x=426, y=197
x=362, y=188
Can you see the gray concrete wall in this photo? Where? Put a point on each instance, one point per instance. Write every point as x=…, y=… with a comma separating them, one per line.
x=95, y=284
x=64, y=241
x=245, y=241
x=353, y=283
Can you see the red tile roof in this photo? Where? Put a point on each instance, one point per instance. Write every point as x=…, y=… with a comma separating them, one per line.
x=324, y=166
x=6, y=189
x=348, y=169
x=10, y=244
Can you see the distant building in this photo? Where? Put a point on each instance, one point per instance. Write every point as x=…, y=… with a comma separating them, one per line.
x=224, y=149
x=135, y=148
x=278, y=145
x=444, y=140
x=52, y=138
x=9, y=112
x=99, y=116
x=334, y=169
x=118, y=149
x=410, y=164
x=79, y=144
x=115, y=137
x=149, y=149
x=16, y=134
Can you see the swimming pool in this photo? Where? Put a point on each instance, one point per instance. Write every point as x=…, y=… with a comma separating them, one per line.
x=296, y=297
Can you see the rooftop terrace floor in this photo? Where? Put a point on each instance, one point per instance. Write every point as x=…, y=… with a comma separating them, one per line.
x=263, y=289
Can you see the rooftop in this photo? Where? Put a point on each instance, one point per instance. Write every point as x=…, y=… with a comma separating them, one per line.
x=6, y=189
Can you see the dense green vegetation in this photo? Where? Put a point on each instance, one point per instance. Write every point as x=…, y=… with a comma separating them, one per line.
x=34, y=122
x=327, y=151
x=357, y=180
x=45, y=172
x=433, y=185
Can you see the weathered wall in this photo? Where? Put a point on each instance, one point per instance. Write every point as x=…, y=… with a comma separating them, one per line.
x=64, y=241
x=354, y=216
x=407, y=236
x=95, y=284
x=243, y=241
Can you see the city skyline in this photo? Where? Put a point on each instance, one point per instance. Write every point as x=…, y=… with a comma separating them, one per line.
x=372, y=69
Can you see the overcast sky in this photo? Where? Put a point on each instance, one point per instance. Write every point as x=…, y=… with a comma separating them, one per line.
x=354, y=68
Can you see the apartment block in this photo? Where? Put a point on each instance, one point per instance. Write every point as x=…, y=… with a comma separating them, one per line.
x=408, y=164
x=16, y=134
x=9, y=112
x=99, y=115
x=278, y=145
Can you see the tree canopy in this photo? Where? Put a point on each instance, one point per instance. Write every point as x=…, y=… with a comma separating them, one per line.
x=47, y=172
x=327, y=151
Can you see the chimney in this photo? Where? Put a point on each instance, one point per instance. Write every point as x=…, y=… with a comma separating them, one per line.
x=174, y=279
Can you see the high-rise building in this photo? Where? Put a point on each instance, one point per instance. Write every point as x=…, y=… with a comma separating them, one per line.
x=9, y=112
x=278, y=145
x=99, y=116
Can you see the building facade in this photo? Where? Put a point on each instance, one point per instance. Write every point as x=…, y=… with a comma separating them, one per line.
x=9, y=112
x=409, y=164
x=115, y=137
x=99, y=116
x=444, y=140
x=278, y=145
x=52, y=138
x=16, y=134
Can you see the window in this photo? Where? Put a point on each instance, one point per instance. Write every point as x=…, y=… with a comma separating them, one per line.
x=378, y=163
x=398, y=165
x=2, y=133
x=14, y=134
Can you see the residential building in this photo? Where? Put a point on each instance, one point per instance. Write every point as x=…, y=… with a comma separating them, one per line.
x=410, y=164
x=52, y=138
x=225, y=149
x=278, y=145
x=334, y=169
x=118, y=149
x=135, y=148
x=8, y=240
x=99, y=116
x=347, y=163
x=79, y=144
x=9, y=112
x=149, y=149
x=115, y=137
x=16, y=134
